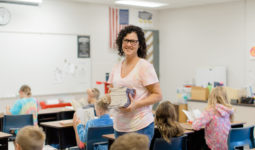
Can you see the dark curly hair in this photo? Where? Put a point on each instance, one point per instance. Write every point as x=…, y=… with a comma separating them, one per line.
x=141, y=52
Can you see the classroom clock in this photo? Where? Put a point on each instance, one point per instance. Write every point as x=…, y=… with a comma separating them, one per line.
x=5, y=16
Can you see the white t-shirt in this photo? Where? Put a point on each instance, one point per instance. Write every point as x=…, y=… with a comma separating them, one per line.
x=142, y=75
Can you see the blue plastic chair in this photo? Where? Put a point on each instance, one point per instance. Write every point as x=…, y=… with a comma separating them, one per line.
x=95, y=136
x=241, y=137
x=12, y=123
x=177, y=143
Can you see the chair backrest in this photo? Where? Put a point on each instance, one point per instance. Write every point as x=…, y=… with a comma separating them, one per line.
x=177, y=143
x=16, y=122
x=241, y=137
x=95, y=135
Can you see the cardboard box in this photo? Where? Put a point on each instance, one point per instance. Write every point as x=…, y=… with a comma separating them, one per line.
x=235, y=94
x=182, y=117
x=199, y=93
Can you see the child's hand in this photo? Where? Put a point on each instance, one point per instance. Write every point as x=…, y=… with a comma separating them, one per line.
x=8, y=108
x=76, y=120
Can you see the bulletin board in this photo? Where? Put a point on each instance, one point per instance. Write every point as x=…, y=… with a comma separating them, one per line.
x=48, y=63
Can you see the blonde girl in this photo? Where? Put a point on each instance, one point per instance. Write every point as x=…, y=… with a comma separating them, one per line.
x=216, y=119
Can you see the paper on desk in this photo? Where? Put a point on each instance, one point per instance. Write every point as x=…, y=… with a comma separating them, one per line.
x=85, y=114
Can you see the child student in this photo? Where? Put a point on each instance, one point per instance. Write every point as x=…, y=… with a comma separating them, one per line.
x=216, y=120
x=93, y=95
x=104, y=119
x=166, y=122
x=25, y=105
x=131, y=141
x=30, y=138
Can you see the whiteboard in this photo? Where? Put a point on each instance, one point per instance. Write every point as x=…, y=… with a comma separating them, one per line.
x=205, y=75
x=48, y=63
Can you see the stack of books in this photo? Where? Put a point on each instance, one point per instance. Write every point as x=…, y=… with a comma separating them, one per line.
x=120, y=97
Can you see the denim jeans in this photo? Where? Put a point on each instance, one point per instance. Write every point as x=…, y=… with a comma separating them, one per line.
x=148, y=131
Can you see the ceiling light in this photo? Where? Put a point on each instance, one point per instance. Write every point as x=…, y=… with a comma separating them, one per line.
x=24, y=2
x=140, y=3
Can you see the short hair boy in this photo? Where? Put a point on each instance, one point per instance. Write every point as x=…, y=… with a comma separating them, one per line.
x=131, y=141
x=30, y=138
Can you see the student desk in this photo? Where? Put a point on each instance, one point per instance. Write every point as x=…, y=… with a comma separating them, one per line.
x=57, y=133
x=50, y=114
x=53, y=114
x=196, y=140
x=4, y=140
x=111, y=137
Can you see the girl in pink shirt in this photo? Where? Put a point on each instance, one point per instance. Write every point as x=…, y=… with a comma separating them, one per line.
x=135, y=72
x=216, y=120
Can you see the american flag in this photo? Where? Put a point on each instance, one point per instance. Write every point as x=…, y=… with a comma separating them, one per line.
x=118, y=19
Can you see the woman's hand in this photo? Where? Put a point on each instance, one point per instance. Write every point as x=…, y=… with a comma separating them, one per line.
x=132, y=105
x=76, y=120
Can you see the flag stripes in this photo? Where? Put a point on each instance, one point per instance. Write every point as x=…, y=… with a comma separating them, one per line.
x=114, y=26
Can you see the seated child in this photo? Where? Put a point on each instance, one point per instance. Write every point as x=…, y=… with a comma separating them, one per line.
x=104, y=119
x=131, y=141
x=92, y=96
x=216, y=119
x=30, y=138
x=25, y=105
x=166, y=123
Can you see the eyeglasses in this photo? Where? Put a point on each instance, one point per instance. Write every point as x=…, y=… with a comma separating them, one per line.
x=132, y=42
